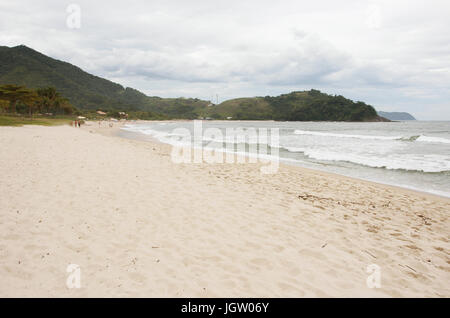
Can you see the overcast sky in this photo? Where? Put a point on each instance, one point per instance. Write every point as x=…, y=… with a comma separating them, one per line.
x=394, y=55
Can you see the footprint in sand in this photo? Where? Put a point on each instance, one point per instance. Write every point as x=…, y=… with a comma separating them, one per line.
x=137, y=277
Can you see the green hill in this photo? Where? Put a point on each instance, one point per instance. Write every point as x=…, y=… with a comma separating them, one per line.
x=310, y=105
x=24, y=66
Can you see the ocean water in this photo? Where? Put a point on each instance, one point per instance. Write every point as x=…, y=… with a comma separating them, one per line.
x=410, y=154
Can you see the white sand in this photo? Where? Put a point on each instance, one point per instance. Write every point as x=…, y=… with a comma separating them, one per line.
x=139, y=225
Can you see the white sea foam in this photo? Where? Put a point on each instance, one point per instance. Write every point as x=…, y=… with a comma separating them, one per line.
x=425, y=163
x=430, y=163
x=326, y=134
x=433, y=139
x=164, y=137
x=420, y=138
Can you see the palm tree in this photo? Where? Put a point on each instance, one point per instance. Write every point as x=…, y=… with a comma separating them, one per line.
x=51, y=101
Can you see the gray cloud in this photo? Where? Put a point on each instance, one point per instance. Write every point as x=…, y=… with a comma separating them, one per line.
x=393, y=55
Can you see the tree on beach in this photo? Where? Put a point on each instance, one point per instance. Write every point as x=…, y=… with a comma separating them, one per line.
x=31, y=100
x=46, y=100
x=50, y=101
x=13, y=94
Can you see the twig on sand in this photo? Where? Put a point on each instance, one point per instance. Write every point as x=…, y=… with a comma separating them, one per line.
x=411, y=268
x=369, y=253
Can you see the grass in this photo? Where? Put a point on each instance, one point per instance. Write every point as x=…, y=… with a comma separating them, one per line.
x=20, y=121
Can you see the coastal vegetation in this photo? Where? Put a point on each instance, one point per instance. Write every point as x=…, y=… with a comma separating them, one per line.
x=17, y=99
x=24, y=66
x=35, y=83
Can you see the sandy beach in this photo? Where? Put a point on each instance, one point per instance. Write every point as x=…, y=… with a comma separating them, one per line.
x=139, y=225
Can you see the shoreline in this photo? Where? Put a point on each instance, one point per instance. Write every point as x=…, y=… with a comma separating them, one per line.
x=116, y=131
x=138, y=225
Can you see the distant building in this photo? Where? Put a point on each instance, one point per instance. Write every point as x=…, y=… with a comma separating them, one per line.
x=101, y=113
